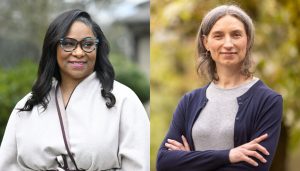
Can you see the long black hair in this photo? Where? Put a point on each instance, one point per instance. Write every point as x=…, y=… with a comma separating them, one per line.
x=48, y=66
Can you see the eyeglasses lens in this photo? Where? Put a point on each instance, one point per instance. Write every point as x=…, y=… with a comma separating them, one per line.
x=87, y=44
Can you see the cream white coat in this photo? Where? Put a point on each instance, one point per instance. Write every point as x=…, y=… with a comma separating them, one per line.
x=100, y=138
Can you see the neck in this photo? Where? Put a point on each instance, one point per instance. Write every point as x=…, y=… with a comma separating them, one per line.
x=229, y=77
x=67, y=87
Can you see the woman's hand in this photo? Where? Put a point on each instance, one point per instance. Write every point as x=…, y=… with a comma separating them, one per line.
x=245, y=151
x=238, y=154
x=175, y=145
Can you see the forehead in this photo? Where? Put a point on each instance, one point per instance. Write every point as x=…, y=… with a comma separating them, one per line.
x=228, y=23
x=79, y=30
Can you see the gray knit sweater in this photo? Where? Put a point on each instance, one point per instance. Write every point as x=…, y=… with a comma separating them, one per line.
x=213, y=129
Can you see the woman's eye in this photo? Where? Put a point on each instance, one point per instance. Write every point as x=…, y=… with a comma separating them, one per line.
x=68, y=43
x=237, y=35
x=88, y=44
x=217, y=36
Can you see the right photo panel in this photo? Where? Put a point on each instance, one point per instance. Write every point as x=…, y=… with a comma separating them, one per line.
x=224, y=85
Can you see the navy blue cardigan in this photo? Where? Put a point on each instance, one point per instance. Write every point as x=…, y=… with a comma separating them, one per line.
x=259, y=112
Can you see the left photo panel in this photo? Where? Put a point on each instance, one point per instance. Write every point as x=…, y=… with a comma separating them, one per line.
x=74, y=85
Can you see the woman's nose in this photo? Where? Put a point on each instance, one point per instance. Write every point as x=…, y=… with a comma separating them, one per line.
x=228, y=42
x=78, y=52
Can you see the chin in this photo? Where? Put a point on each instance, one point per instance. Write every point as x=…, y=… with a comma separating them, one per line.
x=230, y=63
x=79, y=75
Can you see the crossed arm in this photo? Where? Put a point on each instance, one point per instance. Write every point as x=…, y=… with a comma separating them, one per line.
x=237, y=154
x=257, y=154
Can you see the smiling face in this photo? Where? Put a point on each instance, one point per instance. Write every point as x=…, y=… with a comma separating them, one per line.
x=77, y=64
x=227, y=42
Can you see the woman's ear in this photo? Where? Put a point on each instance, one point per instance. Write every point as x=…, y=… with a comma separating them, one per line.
x=205, y=43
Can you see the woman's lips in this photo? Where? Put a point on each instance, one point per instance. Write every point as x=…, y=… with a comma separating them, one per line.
x=77, y=64
x=229, y=53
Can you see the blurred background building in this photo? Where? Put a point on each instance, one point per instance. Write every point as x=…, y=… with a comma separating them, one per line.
x=124, y=22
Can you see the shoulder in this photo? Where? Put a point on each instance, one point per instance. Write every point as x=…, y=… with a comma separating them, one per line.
x=121, y=91
x=267, y=102
x=197, y=95
x=22, y=102
x=193, y=99
x=263, y=98
x=261, y=90
x=16, y=110
x=120, y=88
x=128, y=101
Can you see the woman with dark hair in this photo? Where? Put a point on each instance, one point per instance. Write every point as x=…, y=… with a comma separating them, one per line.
x=233, y=123
x=76, y=117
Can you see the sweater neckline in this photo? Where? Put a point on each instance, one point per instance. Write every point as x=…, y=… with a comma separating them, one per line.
x=242, y=97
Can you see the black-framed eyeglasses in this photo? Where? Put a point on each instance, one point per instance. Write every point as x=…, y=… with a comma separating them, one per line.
x=88, y=44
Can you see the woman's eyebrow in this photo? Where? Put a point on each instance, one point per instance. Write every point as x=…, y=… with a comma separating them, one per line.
x=236, y=31
x=217, y=32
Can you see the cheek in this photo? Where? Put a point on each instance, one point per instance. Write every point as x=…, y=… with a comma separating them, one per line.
x=243, y=44
x=243, y=50
x=60, y=57
x=214, y=45
x=92, y=60
x=214, y=49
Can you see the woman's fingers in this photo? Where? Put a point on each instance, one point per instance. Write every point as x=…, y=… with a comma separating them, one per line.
x=248, y=151
x=239, y=154
x=171, y=146
x=249, y=160
x=174, y=145
x=260, y=138
x=185, y=143
x=256, y=155
x=254, y=144
x=257, y=147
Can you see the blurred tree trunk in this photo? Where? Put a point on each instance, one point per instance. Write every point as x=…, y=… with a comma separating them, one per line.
x=280, y=159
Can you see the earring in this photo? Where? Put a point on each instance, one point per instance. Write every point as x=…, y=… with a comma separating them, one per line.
x=206, y=53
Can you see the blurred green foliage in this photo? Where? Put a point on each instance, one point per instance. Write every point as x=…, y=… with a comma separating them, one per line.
x=174, y=25
x=17, y=81
x=129, y=74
